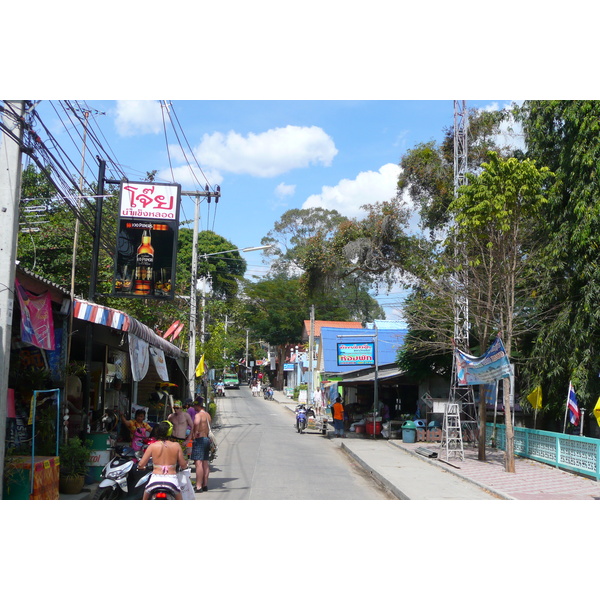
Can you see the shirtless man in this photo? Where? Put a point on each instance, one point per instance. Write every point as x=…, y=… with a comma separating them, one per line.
x=201, y=449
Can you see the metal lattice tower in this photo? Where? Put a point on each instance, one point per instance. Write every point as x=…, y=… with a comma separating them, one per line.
x=461, y=397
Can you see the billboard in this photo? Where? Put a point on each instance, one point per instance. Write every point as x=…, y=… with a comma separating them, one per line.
x=146, y=256
x=358, y=354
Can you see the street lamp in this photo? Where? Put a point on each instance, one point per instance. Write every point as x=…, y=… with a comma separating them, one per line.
x=192, y=344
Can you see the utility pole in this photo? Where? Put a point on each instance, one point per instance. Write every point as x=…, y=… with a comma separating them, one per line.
x=76, y=235
x=10, y=192
x=194, y=283
x=311, y=345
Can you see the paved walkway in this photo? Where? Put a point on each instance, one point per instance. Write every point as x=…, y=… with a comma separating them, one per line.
x=412, y=476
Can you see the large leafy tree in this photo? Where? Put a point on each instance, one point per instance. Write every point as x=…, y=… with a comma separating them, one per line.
x=564, y=136
x=276, y=312
x=427, y=170
x=304, y=242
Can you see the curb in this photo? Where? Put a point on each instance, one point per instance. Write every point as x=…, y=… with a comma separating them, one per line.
x=386, y=483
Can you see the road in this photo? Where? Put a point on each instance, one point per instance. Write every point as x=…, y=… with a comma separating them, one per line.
x=262, y=457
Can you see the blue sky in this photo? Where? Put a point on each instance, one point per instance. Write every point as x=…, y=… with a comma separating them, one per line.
x=266, y=156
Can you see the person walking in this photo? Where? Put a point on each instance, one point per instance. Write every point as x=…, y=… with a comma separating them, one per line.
x=182, y=426
x=337, y=412
x=201, y=449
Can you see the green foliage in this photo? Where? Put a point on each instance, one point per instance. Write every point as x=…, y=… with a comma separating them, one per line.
x=74, y=456
x=563, y=135
x=212, y=409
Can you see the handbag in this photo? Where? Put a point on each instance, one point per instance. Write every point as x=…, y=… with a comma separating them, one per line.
x=212, y=438
x=185, y=483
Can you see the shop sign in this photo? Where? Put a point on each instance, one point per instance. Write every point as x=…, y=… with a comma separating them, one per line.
x=355, y=354
x=147, y=228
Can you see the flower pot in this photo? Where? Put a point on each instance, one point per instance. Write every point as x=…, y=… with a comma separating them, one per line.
x=71, y=484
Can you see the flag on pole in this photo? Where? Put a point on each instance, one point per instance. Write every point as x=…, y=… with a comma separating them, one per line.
x=535, y=398
x=597, y=411
x=572, y=406
x=200, y=367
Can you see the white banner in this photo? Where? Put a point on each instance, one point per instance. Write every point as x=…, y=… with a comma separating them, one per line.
x=158, y=358
x=139, y=356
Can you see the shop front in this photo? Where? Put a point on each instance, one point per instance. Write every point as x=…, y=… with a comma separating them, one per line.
x=59, y=390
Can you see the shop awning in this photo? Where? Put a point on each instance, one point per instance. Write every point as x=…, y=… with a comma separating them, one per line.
x=117, y=319
x=368, y=375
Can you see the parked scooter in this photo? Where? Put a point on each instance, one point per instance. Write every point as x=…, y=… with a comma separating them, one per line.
x=121, y=478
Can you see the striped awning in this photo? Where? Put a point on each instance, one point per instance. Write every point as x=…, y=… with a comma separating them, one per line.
x=117, y=319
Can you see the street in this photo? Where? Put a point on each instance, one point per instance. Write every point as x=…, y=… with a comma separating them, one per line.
x=262, y=457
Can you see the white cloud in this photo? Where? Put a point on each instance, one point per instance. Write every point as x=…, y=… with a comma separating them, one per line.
x=138, y=117
x=191, y=176
x=267, y=154
x=284, y=189
x=349, y=195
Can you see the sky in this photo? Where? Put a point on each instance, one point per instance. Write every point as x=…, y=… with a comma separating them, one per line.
x=267, y=156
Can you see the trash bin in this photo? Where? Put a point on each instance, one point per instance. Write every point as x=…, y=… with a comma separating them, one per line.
x=409, y=432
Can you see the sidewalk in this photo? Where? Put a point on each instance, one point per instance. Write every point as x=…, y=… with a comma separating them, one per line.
x=411, y=476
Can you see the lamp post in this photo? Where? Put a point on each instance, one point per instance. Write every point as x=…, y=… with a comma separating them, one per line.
x=192, y=344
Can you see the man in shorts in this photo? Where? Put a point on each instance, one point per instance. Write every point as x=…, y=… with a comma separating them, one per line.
x=201, y=448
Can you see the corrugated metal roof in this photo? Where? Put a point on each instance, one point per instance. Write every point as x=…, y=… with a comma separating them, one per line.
x=338, y=324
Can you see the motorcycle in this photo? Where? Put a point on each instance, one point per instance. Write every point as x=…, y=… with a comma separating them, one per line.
x=121, y=478
x=268, y=393
x=301, y=418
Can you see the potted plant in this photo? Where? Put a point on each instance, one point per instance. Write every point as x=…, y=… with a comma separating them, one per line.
x=74, y=458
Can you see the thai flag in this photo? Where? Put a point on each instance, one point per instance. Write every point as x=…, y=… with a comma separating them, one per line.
x=572, y=406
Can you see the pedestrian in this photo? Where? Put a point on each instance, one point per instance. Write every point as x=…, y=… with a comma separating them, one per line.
x=194, y=407
x=182, y=426
x=318, y=401
x=201, y=448
x=337, y=412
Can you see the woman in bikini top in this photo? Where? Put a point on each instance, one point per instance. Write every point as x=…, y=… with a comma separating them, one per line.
x=164, y=453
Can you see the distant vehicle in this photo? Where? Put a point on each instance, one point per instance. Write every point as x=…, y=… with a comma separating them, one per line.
x=231, y=381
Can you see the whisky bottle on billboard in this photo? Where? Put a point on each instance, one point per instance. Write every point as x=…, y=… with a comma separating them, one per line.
x=144, y=267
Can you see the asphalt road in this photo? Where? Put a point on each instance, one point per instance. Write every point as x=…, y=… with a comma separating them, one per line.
x=262, y=457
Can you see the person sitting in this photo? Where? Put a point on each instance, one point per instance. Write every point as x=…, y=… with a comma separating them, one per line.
x=165, y=455
x=138, y=428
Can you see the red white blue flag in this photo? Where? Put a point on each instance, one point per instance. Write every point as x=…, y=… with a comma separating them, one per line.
x=572, y=406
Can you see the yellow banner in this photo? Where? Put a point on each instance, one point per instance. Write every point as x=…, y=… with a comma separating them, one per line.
x=597, y=411
x=535, y=398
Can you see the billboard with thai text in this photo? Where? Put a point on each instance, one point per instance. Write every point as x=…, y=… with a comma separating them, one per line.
x=148, y=224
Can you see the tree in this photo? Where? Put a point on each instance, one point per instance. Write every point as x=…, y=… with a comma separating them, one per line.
x=427, y=171
x=563, y=135
x=276, y=312
x=303, y=242
x=494, y=220
x=294, y=230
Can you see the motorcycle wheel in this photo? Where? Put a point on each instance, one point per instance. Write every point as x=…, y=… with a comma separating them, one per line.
x=107, y=493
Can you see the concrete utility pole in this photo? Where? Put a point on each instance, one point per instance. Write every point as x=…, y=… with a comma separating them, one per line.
x=10, y=192
x=311, y=349
x=193, y=287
